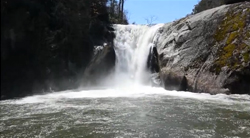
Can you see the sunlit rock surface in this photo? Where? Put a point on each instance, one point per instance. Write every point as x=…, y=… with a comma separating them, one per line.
x=208, y=52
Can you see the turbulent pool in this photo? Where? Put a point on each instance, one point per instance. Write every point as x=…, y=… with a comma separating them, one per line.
x=138, y=111
x=129, y=108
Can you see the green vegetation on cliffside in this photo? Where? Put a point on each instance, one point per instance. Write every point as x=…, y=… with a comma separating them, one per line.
x=232, y=34
x=209, y=4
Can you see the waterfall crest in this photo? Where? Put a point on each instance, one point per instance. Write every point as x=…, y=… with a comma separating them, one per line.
x=132, y=47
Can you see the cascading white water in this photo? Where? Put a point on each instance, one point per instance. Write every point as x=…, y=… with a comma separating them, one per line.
x=132, y=44
x=125, y=111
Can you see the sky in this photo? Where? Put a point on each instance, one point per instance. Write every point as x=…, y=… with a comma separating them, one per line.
x=157, y=11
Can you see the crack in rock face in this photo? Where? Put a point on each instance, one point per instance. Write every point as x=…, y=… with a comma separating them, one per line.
x=208, y=51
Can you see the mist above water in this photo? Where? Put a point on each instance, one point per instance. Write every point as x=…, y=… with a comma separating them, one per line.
x=128, y=107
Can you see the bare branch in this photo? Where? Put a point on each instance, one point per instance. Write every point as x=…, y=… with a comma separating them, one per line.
x=150, y=20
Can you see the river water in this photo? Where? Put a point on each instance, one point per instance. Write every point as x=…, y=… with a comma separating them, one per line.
x=139, y=111
x=129, y=107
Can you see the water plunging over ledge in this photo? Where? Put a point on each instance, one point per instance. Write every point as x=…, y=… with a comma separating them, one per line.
x=130, y=111
x=132, y=45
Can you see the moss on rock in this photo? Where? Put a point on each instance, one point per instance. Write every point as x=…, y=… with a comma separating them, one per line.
x=230, y=37
x=246, y=56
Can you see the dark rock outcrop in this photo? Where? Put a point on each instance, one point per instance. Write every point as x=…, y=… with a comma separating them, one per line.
x=101, y=66
x=152, y=61
x=153, y=67
x=208, y=52
x=103, y=59
x=174, y=80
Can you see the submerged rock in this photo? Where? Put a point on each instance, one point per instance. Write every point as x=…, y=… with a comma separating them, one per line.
x=208, y=52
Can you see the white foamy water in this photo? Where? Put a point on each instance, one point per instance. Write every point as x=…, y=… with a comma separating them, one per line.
x=138, y=111
x=136, y=91
x=132, y=44
x=129, y=108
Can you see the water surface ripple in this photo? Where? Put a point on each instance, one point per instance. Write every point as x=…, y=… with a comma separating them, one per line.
x=143, y=112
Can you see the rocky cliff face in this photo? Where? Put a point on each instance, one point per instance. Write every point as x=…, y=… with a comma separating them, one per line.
x=208, y=52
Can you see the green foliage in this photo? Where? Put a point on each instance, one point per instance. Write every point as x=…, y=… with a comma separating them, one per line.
x=116, y=13
x=206, y=4
x=209, y=4
x=233, y=1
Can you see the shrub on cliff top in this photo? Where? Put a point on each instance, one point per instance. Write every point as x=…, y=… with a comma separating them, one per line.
x=209, y=4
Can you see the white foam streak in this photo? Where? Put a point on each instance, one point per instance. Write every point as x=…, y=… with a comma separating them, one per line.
x=132, y=44
x=132, y=92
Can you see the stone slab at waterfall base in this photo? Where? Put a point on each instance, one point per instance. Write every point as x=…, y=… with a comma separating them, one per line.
x=209, y=51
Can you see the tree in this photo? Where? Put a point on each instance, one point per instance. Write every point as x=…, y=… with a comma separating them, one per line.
x=150, y=20
x=209, y=4
x=116, y=12
x=206, y=4
x=112, y=6
x=233, y=1
x=46, y=43
x=120, y=9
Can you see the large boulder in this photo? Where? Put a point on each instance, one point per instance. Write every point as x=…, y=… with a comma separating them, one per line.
x=100, y=67
x=208, y=52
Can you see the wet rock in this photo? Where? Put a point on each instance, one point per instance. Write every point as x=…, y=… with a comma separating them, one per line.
x=174, y=80
x=152, y=61
x=101, y=66
x=155, y=80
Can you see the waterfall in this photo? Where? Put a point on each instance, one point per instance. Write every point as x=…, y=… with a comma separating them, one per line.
x=132, y=45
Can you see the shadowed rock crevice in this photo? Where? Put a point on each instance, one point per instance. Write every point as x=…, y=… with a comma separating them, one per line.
x=238, y=82
x=152, y=61
x=174, y=80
